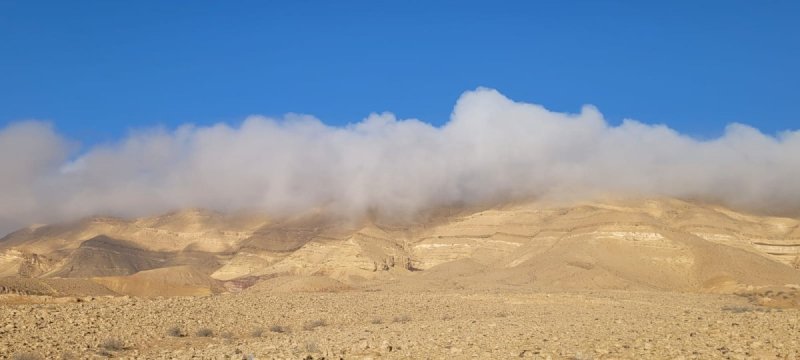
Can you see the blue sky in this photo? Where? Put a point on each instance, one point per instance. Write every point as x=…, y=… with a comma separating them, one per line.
x=100, y=68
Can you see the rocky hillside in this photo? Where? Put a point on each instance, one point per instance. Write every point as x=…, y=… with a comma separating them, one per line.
x=662, y=244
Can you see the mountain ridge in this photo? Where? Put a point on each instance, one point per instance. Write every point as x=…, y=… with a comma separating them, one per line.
x=653, y=244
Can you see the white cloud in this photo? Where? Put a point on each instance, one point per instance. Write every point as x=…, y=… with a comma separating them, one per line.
x=491, y=150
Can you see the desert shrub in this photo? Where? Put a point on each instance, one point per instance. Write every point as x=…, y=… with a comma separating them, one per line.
x=175, y=331
x=312, y=347
x=257, y=332
x=27, y=356
x=313, y=324
x=737, y=309
x=279, y=329
x=502, y=314
x=581, y=356
x=112, y=344
x=204, y=332
x=377, y=321
x=401, y=318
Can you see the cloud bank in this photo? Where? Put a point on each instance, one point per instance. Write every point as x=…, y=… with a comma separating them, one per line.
x=492, y=150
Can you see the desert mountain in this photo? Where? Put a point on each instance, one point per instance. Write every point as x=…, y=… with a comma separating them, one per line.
x=662, y=244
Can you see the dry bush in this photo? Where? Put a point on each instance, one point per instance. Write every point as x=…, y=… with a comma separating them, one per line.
x=279, y=329
x=738, y=309
x=257, y=332
x=204, y=332
x=313, y=324
x=27, y=356
x=175, y=331
x=312, y=347
x=112, y=344
x=402, y=319
x=581, y=356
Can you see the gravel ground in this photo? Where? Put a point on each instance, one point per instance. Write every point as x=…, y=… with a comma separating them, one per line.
x=394, y=324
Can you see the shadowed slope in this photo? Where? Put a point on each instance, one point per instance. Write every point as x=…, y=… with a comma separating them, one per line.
x=104, y=256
